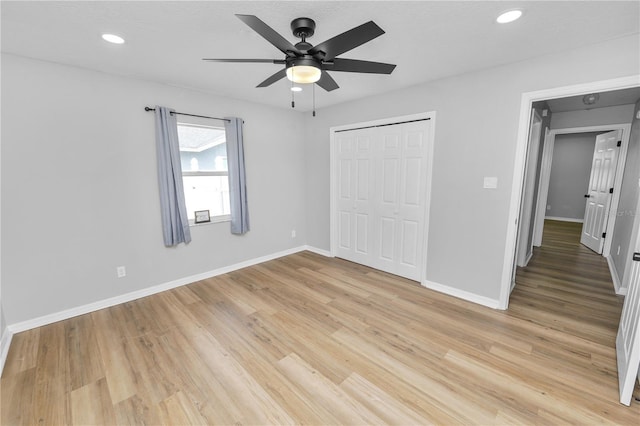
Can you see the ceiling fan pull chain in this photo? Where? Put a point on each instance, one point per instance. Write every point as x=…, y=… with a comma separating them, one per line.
x=314, y=99
x=293, y=102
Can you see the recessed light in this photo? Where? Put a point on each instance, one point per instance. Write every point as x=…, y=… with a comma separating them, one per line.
x=112, y=38
x=590, y=99
x=509, y=16
x=296, y=89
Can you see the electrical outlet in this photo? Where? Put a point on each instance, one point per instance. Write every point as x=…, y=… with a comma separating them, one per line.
x=121, y=271
x=548, y=206
x=293, y=233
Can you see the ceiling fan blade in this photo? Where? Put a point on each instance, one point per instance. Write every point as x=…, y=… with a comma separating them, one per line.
x=269, y=34
x=347, y=40
x=275, y=77
x=327, y=82
x=252, y=61
x=354, y=65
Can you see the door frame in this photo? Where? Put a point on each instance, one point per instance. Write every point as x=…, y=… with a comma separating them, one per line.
x=524, y=249
x=333, y=190
x=526, y=102
x=545, y=176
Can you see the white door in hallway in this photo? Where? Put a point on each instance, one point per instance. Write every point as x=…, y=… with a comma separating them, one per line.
x=603, y=173
x=628, y=338
x=380, y=198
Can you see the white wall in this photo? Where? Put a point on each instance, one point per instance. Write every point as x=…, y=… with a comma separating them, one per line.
x=80, y=193
x=475, y=134
x=570, y=173
x=627, y=208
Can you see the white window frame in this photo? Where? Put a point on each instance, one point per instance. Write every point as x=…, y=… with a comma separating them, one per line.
x=214, y=219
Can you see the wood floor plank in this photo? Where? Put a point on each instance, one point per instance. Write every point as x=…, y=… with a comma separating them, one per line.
x=24, y=354
x=118, y=369
x=91, y=405
x=307, y=339
x=51, y=403
x=345, y=409
x=84, y=356
x=17, y=396
x=380, y=403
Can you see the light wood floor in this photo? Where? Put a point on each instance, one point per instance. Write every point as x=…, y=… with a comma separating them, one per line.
x=306, y=339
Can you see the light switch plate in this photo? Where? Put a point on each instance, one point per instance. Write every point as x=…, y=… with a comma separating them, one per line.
x=490, y=182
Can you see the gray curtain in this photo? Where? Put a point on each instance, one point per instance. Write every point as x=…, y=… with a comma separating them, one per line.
x=175, y=224
x=237, y=181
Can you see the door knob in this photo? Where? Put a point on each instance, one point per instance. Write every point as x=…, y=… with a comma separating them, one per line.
x=587, y=196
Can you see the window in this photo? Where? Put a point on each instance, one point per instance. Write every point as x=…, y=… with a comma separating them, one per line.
x=203, y=156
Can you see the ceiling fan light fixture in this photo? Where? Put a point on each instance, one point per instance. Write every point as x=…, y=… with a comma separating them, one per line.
x=303, y=74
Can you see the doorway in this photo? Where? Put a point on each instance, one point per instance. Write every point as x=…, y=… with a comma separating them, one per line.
x=607, y=177
x=527, y=101
x=570, y=197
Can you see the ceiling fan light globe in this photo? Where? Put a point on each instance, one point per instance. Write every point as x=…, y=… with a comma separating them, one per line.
x=303, y=74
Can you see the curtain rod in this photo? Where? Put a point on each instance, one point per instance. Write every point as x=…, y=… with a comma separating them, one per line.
x=190, y=115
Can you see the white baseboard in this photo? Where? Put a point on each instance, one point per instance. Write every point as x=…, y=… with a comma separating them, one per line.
x=564, y=219
x=127, y=297
x=615, y=277
x=5, y=342
x=461, y=294
x=316, y=250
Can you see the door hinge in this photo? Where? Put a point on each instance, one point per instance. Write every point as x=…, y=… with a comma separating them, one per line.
x=610, y=190
x=619, y=143
x=604, y=234
x=636, y=257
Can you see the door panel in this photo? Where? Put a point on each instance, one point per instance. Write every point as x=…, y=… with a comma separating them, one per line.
x=344, y=225
x=603, y=173
x=389, y=180
x=628, y=338
x=387, y=231
x=362, y=227
x=409, y=243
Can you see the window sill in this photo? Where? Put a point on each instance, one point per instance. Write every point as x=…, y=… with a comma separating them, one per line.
x=214, y=220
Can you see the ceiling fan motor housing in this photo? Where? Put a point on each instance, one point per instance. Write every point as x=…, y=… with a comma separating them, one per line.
x=306, y=60
x=303, y=27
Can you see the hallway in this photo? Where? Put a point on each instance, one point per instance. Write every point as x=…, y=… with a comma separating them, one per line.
x=567, y=288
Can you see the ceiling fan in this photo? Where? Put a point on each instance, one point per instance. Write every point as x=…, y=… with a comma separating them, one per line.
x=305, y=63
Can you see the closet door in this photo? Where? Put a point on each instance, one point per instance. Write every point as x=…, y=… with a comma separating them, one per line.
x=400, y=199
x=381, y=181
x=355, y=186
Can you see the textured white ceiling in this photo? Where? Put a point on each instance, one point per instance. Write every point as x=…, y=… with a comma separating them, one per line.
x=426, y=39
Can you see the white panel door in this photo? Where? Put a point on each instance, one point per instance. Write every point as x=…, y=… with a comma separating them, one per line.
x=354, y=221
x=413, y=181
x=628, y=339
x=381, y=192
x=388, y=166
x=603, y=173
